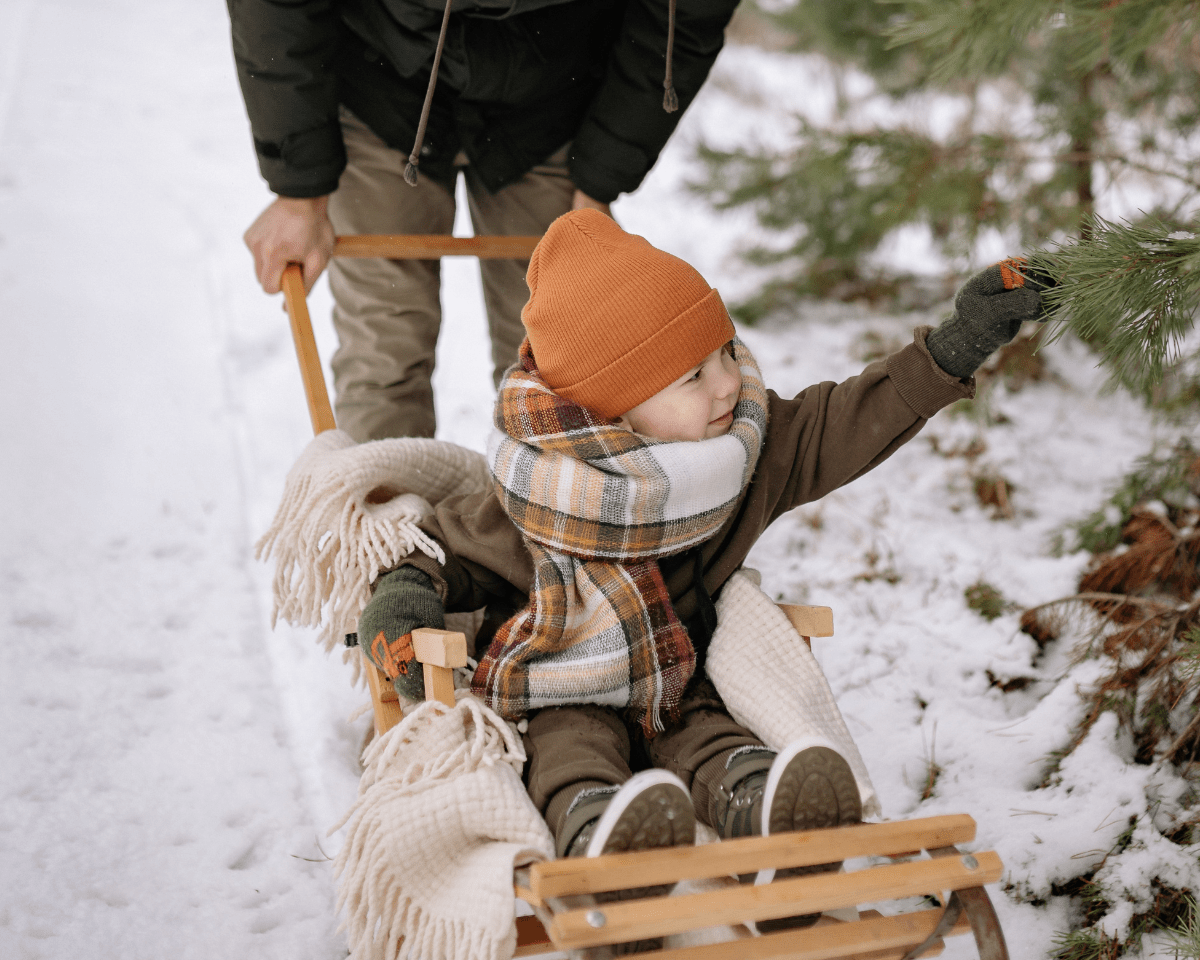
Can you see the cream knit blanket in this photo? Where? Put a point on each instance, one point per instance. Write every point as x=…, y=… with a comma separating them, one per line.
x=770, y=680
x=348, y=512
x=441, y=820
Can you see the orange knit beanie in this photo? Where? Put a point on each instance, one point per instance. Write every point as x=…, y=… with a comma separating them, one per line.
x=612, y=320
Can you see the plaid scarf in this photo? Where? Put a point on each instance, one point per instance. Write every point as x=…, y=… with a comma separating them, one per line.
x=598, y=506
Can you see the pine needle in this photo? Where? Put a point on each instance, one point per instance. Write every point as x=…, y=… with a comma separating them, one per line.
x=1185, y=935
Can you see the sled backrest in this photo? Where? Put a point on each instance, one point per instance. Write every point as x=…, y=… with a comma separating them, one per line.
x=906, y=862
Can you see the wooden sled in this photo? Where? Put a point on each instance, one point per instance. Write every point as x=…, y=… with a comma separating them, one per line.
x=907, y=886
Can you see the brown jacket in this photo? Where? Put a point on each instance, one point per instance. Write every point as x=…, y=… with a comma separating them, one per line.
x=826, y=436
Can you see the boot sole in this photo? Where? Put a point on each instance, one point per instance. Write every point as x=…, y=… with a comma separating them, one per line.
x=810, y=787
x=652, y=809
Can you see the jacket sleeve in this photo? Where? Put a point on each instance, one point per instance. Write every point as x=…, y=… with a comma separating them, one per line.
x=626, y=126
x=830, y=434
x=284, y=52
x=486, y=557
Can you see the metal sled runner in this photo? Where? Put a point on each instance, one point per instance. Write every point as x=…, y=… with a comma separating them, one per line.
x=907, y=886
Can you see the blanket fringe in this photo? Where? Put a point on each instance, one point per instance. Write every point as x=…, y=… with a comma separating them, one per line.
x=489, y=739
x=422, y=763
x=351, y=511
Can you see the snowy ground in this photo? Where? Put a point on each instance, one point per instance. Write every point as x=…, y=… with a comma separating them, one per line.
x=169, y=766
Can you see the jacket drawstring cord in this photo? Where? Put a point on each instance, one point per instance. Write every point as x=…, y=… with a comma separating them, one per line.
x=414, y=158
x=670, y=99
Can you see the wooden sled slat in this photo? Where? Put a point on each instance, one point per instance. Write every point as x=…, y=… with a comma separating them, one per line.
x=623, y=921
x=879, y=938
x=384, y=701
x=873, y=937
x=531, y=938
x=439, y=652
x=809, y=621
x=746, y=855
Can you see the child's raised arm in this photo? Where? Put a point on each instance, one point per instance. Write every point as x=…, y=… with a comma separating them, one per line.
x=830, y=434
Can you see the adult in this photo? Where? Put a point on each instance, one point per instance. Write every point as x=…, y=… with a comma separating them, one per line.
x=543, y=105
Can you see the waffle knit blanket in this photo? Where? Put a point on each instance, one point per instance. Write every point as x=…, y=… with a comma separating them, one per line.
x=771, y=682
x=441, y=820
x=351, y=511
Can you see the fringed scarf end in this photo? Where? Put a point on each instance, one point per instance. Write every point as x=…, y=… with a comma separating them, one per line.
x=331, y=539
x=403, y=871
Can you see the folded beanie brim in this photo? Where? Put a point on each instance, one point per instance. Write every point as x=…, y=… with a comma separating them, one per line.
x=662, y=358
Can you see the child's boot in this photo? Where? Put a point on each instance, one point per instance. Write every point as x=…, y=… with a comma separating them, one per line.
x=807, y=786
x=651, y=809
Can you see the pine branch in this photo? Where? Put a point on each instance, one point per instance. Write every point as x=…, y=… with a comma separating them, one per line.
x=972, y=39
x=1094, y=95
x=1130, y=290
x=1122, y=31
x=981, y=37
x=1119, y=160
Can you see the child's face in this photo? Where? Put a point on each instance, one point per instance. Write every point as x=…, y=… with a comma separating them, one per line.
x=697, y=406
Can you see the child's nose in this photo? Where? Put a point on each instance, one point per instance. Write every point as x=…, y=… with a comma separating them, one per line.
x=731, y=382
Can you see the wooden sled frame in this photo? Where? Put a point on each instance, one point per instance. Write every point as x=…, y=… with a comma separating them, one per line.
x=907, y=859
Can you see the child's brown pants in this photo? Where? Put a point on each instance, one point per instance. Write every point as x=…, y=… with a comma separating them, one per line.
x=574, y=747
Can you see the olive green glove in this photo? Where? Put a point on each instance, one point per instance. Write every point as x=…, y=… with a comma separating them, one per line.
x=403, y=600
x=988, y=313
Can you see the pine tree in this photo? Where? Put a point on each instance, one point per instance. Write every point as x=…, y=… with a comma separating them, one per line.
x=1111, y=91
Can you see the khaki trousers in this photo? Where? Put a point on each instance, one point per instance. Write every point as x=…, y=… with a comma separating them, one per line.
x=387, y=313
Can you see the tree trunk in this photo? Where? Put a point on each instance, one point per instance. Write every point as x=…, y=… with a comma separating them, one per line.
x=1083, y=145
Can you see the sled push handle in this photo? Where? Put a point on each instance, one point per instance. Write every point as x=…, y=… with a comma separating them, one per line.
x=319, y=409
x=433, y=246
x=394, y=247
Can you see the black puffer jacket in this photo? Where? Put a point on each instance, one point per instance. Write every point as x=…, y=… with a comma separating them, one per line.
x=519, y=78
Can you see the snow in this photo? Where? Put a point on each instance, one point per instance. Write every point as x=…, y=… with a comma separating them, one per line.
x=171, y=765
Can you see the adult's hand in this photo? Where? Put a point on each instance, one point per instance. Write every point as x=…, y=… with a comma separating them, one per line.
x=582, y=200
x=291, y=230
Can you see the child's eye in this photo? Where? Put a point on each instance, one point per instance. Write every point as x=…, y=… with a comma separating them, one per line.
x=696, y=376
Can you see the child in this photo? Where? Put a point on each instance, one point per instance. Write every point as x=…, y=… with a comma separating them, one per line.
x=636, y=460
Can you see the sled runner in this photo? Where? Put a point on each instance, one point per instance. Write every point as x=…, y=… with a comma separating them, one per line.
x=906, y=885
